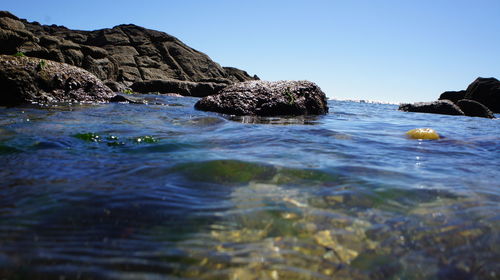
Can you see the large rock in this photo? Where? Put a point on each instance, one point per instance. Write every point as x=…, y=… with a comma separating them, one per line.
x=473, y=108
x=485, y=91
x=26, y=79
x=267, y=99
x=453, y=96
x=185, y=88
x=445, y=107
x=125, y=54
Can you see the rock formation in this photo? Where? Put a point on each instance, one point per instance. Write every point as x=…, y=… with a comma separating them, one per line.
x=120, y=56
x=267, y=99
x=445, y=107
x=27, y=79
x=480, y=99
x=474, y=109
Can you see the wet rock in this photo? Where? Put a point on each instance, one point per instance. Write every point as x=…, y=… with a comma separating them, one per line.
x=121, y=98
x=184, y=88
x=263, y=98
x=453, y=96
x=474, y=109
x=485, y=91
x=26, y=79
x=445, y=107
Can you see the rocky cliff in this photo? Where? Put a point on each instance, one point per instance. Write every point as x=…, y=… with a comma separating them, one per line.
x=121, y=56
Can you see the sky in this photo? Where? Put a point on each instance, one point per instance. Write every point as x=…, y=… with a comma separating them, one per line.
x=383, y=50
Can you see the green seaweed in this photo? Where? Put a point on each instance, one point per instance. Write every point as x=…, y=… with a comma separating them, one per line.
x=19, y=54
x=128, y=91
x=291, y=96
x=226, y=171
x=145, y=139
x=90, y=137
x=41, y=65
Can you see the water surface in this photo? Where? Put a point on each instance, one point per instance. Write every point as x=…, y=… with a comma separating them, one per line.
x=126, y=191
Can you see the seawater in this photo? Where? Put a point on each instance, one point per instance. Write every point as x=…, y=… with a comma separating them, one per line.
x=125, y=191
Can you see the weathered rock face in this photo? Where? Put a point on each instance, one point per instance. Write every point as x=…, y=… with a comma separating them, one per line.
x=26, y=79
x=185, y=88
x=485, y=91
x=267, y=99
x=473, y=108
x=445, y=107
x=124, y=54
x=453, y=96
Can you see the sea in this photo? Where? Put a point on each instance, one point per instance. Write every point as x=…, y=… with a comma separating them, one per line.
x=163, y=191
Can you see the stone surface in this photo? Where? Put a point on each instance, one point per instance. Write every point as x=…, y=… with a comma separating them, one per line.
x=125, y=54
x=485, y=91
x=445, y=107
x=26, y=79
x=453, y=96
x=267, y=99
x=184, y=88
x=473, y=108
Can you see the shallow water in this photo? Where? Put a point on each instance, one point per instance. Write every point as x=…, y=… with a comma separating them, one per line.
x=124, y=191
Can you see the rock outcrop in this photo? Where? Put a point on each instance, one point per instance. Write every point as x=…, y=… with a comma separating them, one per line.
x=445, y=107
x=480, y=99
x=262, y=98
x=120, y=56
x=453, y=96
x=473, y=108
x=27, y=79
x=485, y=91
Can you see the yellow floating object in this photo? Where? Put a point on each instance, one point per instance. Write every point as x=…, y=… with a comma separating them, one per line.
x=423, y=133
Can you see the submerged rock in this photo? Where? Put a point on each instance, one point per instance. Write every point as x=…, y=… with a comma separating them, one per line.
x=473, y=108
x=445, y=107
x=27, y=80
x=263, y=98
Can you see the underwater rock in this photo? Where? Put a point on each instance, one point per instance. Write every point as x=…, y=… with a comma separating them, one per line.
x=445, y=107
x=28, y=80
x=264, y=98
x=473, y=108
x=423, y=133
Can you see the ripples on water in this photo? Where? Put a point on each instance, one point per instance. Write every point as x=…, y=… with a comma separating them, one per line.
x=123, y=191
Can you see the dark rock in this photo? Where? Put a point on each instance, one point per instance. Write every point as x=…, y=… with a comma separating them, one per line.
x=263, y=98
x=121, y=98
x=445, y=107
x=26, y=79
x=453, y=96
x=485, y=91
x=125, y=54
x=473, y=108
x=178, y=87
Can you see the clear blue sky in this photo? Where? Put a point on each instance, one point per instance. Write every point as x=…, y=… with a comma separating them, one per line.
x=389, y=50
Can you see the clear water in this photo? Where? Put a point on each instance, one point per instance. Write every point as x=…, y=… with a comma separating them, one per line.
x=124, y=191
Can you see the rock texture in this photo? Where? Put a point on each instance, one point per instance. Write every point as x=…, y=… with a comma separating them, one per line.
x=267, y=99
x=26, y=79
x=120, y=56
x=185, y=88
x=445, y=107
x=485, y=91
x=474, y=109
x=453, y=96
x=480, y=99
